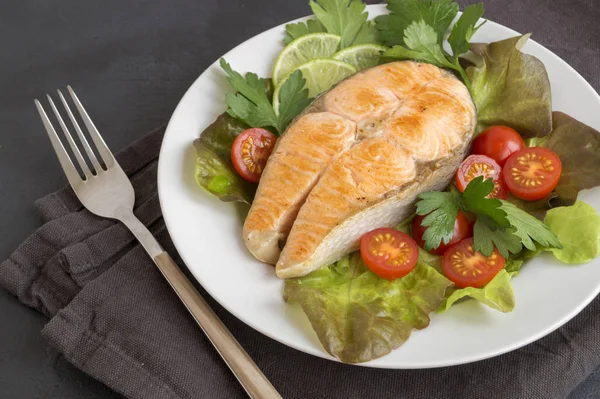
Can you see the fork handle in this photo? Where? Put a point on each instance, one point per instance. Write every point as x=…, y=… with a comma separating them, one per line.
x=255, y=383
x=243, y=367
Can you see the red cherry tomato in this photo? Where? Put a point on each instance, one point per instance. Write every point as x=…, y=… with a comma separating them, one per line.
x=389, y=253
x=498, y=143
x=532, y=173
x=481, y=165
x=467, y=268
x=462, y=230
x=250, y=152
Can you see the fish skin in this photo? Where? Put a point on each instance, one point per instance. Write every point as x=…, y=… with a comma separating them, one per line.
x=413, y=125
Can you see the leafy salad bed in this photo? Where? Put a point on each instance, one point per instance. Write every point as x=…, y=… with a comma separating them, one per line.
x=358, y=315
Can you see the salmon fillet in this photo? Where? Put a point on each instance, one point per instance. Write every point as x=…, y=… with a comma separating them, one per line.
x=293, y=169
x=369, y=97
x=375, y=183
x=355, y=160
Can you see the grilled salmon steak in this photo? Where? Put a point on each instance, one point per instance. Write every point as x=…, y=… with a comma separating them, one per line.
x=356, y=160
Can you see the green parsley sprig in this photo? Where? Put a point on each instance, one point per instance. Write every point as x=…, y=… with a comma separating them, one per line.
x=252, y=103
x=499, y=223
x=346, y=18
x=416, y=29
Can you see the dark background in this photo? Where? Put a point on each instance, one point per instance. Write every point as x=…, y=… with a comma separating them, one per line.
x=130, y=62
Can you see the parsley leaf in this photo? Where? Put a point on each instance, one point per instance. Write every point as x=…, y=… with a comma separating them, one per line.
x=293, y=98
x=433, y=200
x=502, y=224
x=416, y=29
x=475, y=201
x=492, y=226
x=529, y=228
x=299, y=29
x=465, y=28
x=367, y=34
x=341, y=17
x=438, y=14
x=422, y=44
x=252, y=105
x=346, y=18
x=499, y=223
x=486, y=237
x=441, y=209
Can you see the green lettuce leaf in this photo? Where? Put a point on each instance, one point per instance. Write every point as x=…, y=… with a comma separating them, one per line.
x=432, y=260
x=406, y=225
x=514, y=266
x=497, y=294
x=214, y=170
x=517, y=261
x=511, y=88
x=578, y=229
x=359, y=316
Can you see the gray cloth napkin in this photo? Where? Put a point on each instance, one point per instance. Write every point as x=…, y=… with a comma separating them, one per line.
x=112, y=315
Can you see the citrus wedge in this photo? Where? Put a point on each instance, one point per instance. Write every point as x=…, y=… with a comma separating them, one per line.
x=361, y=56
x=303, y=50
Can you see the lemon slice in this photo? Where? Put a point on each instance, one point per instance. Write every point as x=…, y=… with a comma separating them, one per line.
x=362, y=56
x=320, y=75
x=303, y=50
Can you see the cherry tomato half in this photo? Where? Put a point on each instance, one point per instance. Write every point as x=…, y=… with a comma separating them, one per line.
x=462, y=230
x=532, y=173
x=389, y=253
x=481, y=165
x=498, y=143
x=467, y=268
x=250, y=152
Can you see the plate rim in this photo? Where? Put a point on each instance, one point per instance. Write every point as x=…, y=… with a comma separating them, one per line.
x=319, y=351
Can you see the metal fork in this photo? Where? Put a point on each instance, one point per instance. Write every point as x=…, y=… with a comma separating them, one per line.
x=105, y=190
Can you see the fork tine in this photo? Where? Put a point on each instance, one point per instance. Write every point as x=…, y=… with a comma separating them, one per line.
x=64, y=159
x=105, y=153
x=82, y=139
x=82, y=164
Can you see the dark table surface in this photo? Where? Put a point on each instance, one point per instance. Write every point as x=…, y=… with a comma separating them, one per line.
x=131, y=61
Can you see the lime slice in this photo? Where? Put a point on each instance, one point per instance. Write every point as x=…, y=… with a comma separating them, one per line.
x=362, y=56
x=303, y=50
x=320, y=75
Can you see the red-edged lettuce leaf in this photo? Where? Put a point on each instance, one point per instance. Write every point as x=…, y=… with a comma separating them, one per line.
x=511, y=88
x=214, y=170
x=578, y=147
x=359, y=316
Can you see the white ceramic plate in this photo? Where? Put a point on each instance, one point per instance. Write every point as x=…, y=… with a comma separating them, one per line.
x=207, y=233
